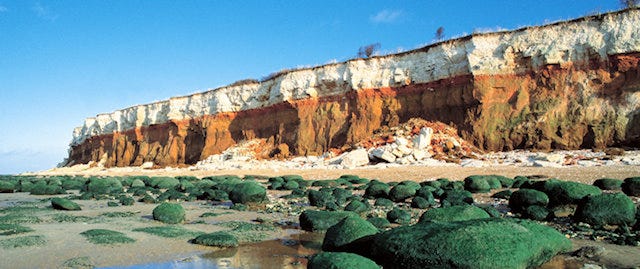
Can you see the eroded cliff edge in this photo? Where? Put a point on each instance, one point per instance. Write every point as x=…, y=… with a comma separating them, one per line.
x=568, y=85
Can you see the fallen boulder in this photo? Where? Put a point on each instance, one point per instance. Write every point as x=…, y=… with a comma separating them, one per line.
x=315, y=220
x=351, y=234
x=454, y=213
x=169, y=213
x=606, y=209
x=483, y=243
x=339, y=260
x=64, y=204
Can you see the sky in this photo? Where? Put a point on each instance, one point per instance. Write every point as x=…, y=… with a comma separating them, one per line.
x=63, y=61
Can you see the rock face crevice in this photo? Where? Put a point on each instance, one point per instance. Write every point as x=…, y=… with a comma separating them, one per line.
x=568, y=85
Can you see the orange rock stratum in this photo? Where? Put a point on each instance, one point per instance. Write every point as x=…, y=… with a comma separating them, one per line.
x=568, y=85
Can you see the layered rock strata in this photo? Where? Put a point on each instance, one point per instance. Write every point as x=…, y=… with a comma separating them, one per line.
x=567, y=85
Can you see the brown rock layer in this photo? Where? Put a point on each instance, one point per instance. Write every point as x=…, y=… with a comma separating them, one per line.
x=555, y=107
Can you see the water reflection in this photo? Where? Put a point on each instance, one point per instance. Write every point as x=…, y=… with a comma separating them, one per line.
x=289, y=252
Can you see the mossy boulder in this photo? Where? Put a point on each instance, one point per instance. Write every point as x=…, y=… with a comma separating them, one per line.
x=316, y=220
x=524, y=198
x=107, y=185
x=476, y=184
x=357, y=206
x=506, y=194
x=566, y=192
x=377, y=190
x=421, y=203
x=126, y=200
x=399, y=216
x=106, y=237
x=606, y=209
x=401, y=192
x=631, y=186
x=64, y=204
x=320, y=198
x=249, y=192
x=480, y=243
x=137, y=183
x=454, y=213
x=217, y=239
x=339, y=260
x=608, y=183
x=456, y=197
x=380, y=223
x=341, y=195
x=351, y=234
x=384, y=202
x=536, y=212
x=169, y=213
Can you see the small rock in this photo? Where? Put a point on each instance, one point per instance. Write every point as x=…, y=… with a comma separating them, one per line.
x=147, y=165
x=355, y=158
x=419, y=154
x=591, y=252
x=540, y=163
x=384, y=155
x=401, y=141
x=472, y=163
x=423, y=140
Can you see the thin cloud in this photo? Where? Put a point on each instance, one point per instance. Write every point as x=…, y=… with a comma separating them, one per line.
x=44, y=12
x=3, y=8
x=386, y=16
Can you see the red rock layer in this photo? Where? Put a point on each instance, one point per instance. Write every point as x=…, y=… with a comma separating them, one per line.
x=567, y=107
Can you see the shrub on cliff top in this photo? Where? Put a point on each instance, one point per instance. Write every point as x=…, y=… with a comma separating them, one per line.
x=169, y=213
x=480, y=243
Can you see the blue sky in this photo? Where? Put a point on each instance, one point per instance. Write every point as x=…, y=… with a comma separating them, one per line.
x=63, y=61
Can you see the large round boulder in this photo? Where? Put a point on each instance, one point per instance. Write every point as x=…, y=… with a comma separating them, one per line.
x=217, y=239
x=454, y=213
x=315, y=220
x=606, y=209
x=249, y=192
x=64, y=204
x=523, y=198
x=340, y=260
x=351, y=234
x=483, y=243
x=169, y=213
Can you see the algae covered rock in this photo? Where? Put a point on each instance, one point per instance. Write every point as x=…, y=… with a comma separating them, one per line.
x=217, y=239
x=357, y=206
x=566, y=192
x=320, y=198
x=64, y=204
x=524, y=198
x=169, y=213
x=536, y=212
x=7, y=186
x=481, y=243
x=349, y=235
x=316, y=220
x=377, y=190
x=454, y=213
x=456, y=197
x=476, y=184
x=249, y=192
x=399, y=216
x=340, y=260
x=380, y=223
x=606, y=209
x=401, y=192
x=421, y=203
x=608, y=183
x=631, y=186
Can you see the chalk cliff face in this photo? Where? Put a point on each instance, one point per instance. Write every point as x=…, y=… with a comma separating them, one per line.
x=567, y=85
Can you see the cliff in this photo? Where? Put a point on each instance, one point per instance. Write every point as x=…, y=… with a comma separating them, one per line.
x=567, y=85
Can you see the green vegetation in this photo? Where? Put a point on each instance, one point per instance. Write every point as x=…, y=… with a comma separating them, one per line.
x=168, y=231
x=78, y=263
x=217, y=239
x=329, y=260
x=348, y=234
x=9, y=229
x=106, y=237
x=70, y=218
x=19, y=218
x=399, y=216
x=607, y=209
x=454, y=213
x=64, y=204
x=169, y=213
x=314, y=220
x=118, y=214
x=23, y=241
x=248, y=232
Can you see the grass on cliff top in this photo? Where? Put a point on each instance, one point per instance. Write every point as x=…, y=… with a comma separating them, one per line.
x=168, y=231
x=23, y=241
x=106, y=237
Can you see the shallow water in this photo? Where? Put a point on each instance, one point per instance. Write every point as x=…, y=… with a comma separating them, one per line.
x=289, y=252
